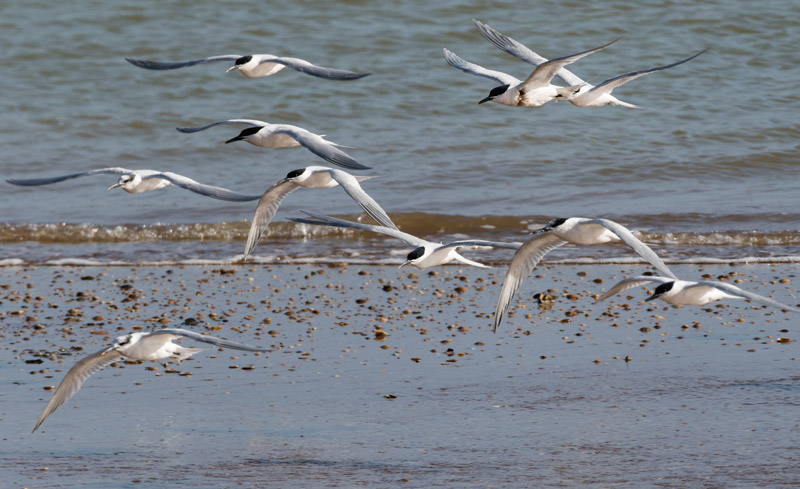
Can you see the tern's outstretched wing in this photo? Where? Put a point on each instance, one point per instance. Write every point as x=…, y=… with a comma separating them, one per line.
x=732, y=289
x=245, y=122
x=350, y=184
x=515, y=48
x=629, y=239
x=265, y=211
x=525, y=260
x=632, y=282
x=75, y=378
x=612, y=83
x=33, y=182
x=546, y=71
x=304, y=66
x=203, y=189
x=171, y=65
x=319, y=146
x=457, y=62
x=201, y=337
x=322, y=220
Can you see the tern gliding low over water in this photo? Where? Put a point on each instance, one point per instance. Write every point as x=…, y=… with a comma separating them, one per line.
x=268, y=135
x=156, y=345
x=688, y=293
x=138, y=181
x=255, y=66
x=311, y=177
x=425, y=254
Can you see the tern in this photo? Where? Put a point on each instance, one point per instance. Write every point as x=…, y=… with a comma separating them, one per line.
x=586, y=95
x=138, y=181
x=311, y=177
x=535, y=90
x=266, y=135
x=688, y=293
x=255, y=66
x=156, y=345
x=558, y=232
x=425, y=253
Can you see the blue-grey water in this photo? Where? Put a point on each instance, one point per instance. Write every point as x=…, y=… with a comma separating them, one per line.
x=712, y=150
x=705, y=171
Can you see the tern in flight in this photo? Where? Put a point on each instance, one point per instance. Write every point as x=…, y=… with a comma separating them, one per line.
x=311, y=177
x=138, y=181
x=266, y=135
x=425, y=253
x=255, y=66
x=688, y=293
x=156, y=345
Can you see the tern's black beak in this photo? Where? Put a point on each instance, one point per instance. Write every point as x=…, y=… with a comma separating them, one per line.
x=652, y=297
x=490, y=97
x=233, y=140
x=540, y=230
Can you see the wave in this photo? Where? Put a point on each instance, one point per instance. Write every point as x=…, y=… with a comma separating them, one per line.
x=431, y=226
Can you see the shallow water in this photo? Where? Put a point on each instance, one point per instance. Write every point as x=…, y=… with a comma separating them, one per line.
x=708, y=152
x=706, y=399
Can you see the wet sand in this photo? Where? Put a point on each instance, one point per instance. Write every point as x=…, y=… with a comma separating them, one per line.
x=379, y=377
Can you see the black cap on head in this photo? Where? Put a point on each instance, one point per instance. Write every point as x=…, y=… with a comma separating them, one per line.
x=295, y=173
x=247, y=132
x=660, y=290
x=416, y=253
x=495, y=92
x=663, y=288
x=556, y=222
x=243, y=60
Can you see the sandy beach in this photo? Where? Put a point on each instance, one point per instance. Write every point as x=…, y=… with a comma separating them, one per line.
x=381, y=377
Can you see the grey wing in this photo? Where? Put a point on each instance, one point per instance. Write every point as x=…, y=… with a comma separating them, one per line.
x=630, y=283
x=205, y=339
x=642, y=249
x=32, y=182
x=203, y=189
x=612, y=83
x=732, y=289
x=457, y=62
x=515, y=48
x=245, y=122
x=75, y=378
x=546, y=71
x=350, y=184
x=171, y=65
x=525, y=260
x=265, y=211
x=304, y=66
x=322, y=220
x=320, y=147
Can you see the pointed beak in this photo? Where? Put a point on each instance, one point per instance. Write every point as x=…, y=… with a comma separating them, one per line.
x=654, y=296
x=234, y=67
x=540, y=230
x=407, y=262
x=232, y=140
x=486, y=99
x=115, y=186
